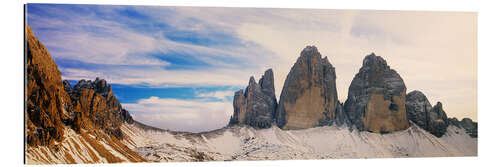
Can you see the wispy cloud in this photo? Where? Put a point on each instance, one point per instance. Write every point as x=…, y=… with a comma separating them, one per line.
x=221, y=95
x=204, y=47
x=182, y=115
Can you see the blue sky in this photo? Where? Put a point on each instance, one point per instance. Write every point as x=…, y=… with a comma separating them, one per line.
x=178, y=67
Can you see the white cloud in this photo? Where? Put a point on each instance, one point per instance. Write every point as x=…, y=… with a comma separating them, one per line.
x=181, y=115
x=159, y=77
x=434, y=52
x=221, y=95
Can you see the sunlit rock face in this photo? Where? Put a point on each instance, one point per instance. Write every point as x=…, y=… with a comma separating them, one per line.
x=309, y=95
x=47, y=103
x=53, y=105
x=256, y=105
x=376, y=98
x=96, y=106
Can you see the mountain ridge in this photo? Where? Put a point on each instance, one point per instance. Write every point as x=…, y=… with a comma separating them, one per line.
x=70, y=125
x=85, y=123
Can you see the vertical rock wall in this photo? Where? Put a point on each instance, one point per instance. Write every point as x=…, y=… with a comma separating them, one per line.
x=309, y=95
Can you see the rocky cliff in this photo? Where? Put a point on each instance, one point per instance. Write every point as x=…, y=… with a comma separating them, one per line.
x=48, y=105
x=376, y=98
x=438, y=120
x=97, y=107
x=420, y=111
x=467, y=124
x=58, y=116
x=256, y=106
x=309, y=95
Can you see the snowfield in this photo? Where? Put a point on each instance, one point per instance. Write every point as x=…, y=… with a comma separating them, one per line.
x=246, y=143
x=75, y=148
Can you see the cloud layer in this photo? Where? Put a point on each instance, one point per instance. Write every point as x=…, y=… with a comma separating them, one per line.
x=200, y=47
x=181, y=115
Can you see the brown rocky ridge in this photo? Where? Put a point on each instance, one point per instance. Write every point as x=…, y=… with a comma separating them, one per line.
x=48, y=105
x=54, y=110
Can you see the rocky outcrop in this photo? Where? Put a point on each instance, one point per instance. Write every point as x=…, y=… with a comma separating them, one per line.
x=467, y=124
x=97, y=107
x=438, y=120
x=52, y=105
x=376, y=98
x=420, y=111
x=418, y=108
x=257, y=104
x=309, y=95
x=46, y=101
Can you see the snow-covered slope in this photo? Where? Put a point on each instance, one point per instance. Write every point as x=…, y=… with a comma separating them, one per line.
x=82, y=148
x=246, y=143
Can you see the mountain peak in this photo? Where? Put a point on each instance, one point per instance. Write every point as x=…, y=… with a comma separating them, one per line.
x=309, y=48
x=266, y=82
x=376, y=97
x=98, y=85
x=256, y=105
x=309, y=96
x=251, y=80
x=309, y=53
x=373, y=61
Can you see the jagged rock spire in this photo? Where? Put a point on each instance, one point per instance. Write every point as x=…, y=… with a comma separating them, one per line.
x=424, y=115
x=257, y=104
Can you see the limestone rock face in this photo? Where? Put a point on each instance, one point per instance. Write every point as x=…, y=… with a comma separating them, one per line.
x=53, y=105
x=257, y=104
x=469, y=126
x=418, y=108
x=376, y=98
x=47, y=102
x=438, y=120
x=309, y=95
x=419, y=111
x=97, y=107
x=466, y=123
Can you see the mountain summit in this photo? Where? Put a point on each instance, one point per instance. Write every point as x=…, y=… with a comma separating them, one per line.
x=309, y=96
x=376, y=98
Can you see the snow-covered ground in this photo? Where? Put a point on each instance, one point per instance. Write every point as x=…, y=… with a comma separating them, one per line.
x=77, y=149
x=246, y=143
